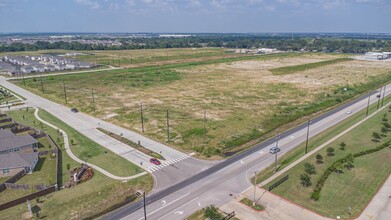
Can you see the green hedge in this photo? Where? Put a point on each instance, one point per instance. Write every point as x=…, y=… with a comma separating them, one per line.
x=315, y=195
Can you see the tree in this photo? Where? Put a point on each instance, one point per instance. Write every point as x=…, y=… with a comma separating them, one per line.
x=376, y=137
x=319, y=159
x=342, y=146
x=338, y=168
x=330, y=151
x=305, y=180
x=349, y=162
x=309, y=168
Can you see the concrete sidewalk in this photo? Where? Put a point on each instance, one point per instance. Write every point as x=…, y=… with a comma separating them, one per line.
x=380, y=206
x=71, y=155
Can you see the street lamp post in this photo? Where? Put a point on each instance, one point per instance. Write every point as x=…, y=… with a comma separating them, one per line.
x=275, y=157
x=255, y=185
x=369, y=99
x=308, y=132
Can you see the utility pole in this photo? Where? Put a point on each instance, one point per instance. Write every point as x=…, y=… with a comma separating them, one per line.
x=378, y=97
x=93, y=98
x=308, y=132
x=24, y=82
x=65, y=93
x=168, y=126
x=384, y=94
x=204, y=136
x=43, y=92
x=275, y=158
x=255, y=186
x=142, y=117
x=145, y=207
x=369, y=99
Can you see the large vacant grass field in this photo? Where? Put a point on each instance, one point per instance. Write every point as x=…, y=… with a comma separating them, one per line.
x=242, y=98
x=352, y=188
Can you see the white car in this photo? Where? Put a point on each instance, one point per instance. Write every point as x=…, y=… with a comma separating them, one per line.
x=349, y=112
x=274, y=150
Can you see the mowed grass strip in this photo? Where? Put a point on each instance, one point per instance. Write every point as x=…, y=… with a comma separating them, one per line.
x=299, y=68
x=352, y=188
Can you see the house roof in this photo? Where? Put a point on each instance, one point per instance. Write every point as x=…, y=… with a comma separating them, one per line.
x=6, y=134
x=9, y=140
x=17, y=160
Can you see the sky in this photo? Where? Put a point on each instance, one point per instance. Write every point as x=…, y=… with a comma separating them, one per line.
x=195, y=16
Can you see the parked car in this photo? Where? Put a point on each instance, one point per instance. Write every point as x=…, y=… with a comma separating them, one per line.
x=274, y=150
x=74, y=110
x=154, y=161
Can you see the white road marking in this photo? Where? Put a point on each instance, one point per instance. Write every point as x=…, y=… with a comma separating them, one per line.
x=178, y=213
x=166, y=205
x=178, y=208
x=291, y=137
x=199, y=203
x=241, y=161
x=164, y=202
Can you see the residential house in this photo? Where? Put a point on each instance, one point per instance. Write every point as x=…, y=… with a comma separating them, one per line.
x=11, y=164
x=9, y=142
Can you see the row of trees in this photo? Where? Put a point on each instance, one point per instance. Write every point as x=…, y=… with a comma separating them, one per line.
x=286, y=44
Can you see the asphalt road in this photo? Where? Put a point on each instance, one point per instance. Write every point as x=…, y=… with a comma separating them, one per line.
x=220, y=183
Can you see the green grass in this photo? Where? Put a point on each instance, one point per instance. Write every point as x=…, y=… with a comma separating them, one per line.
x=351, y=188
x=90, y=199
x=43, y=174
x=10, y=194
x=250, y=204
x=314, y=142
x=84, y=148
x=303, y=67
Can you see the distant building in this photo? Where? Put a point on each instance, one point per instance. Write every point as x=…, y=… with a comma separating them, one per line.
x=9, y=142
x=11, y=164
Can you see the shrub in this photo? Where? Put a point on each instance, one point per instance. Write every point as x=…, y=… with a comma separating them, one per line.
x=68, y=166
x=305, y=180
x=319, y=159
x=342, y=146
x=309, y=168
x=376, y=135
x=330, y=151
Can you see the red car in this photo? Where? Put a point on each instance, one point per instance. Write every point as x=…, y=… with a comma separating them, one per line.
x=155, y=161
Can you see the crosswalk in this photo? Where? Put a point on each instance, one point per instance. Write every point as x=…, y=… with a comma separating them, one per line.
x=166, y=163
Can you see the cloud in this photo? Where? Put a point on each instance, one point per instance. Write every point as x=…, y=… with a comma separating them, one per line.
x=92, y=4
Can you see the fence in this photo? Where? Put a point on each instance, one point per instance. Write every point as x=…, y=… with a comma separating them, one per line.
x=28, y=197
x=5, y=120
x=274, y=185
x=25, y=186
x=13, y=179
